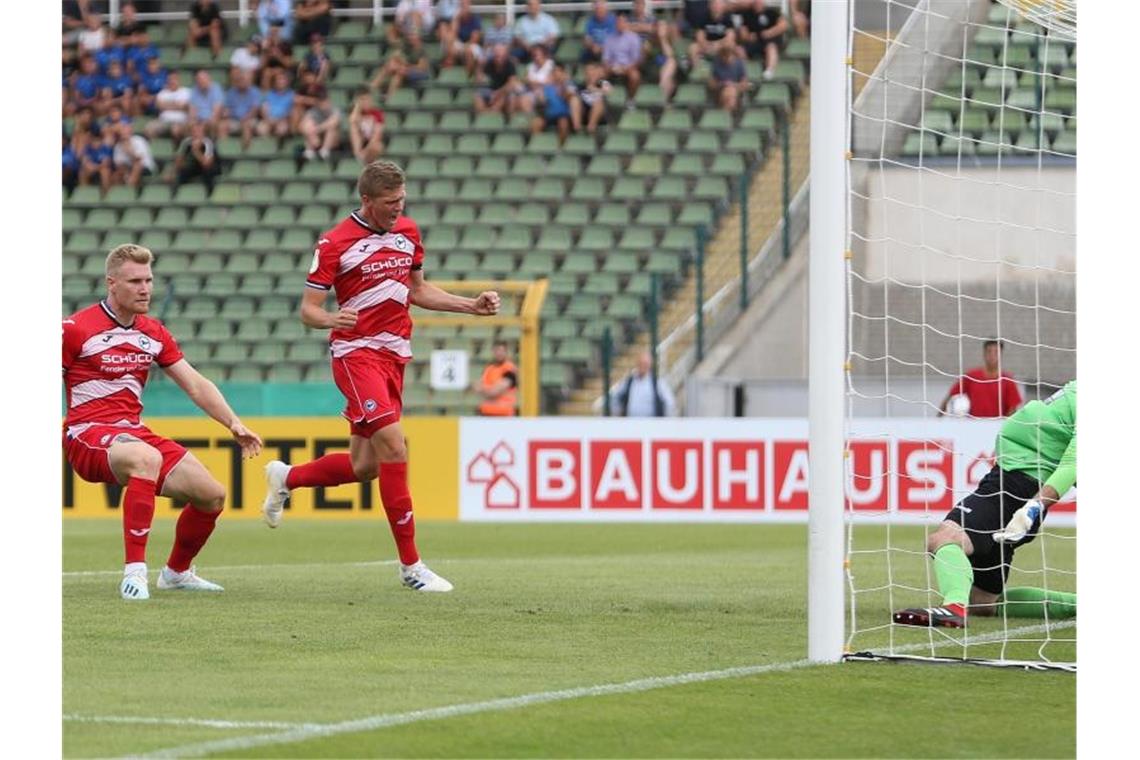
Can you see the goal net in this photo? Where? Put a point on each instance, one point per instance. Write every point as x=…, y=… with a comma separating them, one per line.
x=960, y=231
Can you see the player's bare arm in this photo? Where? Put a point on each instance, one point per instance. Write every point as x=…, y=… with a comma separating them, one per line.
x=315, y=315
x=210, y=400
x=428, y=296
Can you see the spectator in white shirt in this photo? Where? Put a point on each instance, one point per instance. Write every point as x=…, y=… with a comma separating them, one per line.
x=640, y=396
x=535, y=28
x=173, y=104
x=247, y=58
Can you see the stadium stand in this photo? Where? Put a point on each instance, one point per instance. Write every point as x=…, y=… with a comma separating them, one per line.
x=494, y=202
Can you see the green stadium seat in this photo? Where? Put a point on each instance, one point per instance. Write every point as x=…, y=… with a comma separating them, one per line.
x=172, y=218
x=678, y=239
x=657, y=215
x=472, y=145
x=151, y=195
x=532, y=214
x=620, y=262
x=612, y=215
x=224, y=241
x=620, y=142
x=497, y=263
x=605, y=166
x=458, y=214
x=555, y=239
x=636, y=239
x=101, y=220
x=536, y=263
x=543, y=144
x=687, y=165
x=588, y=189
x=475, y=190
x=674, y=121
x=646, y=165
x=530, y=166
x=316, y=170
x=475, y=237
x=548, y=189
x=668, y=189
x=507, y=144
x=690, y=96
x=315, y=217
x=261, y=239
x=493, y=167
x=711, y=188
x=512, y=190
x=580, y=145
x=635, y=121
x=628, y=189
x=741, y=141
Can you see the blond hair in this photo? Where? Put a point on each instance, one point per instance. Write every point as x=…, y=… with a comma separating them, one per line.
x=379, y=177
x=127, y=252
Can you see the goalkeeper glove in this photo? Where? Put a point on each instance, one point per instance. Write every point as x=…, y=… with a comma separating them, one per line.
x=1021, y=524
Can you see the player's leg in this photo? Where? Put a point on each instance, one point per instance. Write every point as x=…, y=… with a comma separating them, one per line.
x=1039, y=603
x=189, y=483
x=136, y=465
x=392, y=454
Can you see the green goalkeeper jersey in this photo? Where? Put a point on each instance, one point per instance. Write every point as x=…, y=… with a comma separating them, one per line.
x=1040, y=439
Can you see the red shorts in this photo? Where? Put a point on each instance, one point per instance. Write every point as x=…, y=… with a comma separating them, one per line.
x=372, y=384
x=87, y=451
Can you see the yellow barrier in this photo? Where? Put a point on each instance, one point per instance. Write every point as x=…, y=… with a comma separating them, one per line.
x=433, y=451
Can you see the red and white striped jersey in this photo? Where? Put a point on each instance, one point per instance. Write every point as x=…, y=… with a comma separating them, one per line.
x=105, y=364
x=370, y=270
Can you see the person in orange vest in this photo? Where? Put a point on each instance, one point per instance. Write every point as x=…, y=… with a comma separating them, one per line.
x=499, y=386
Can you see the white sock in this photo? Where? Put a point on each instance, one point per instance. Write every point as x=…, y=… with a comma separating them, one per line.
x=134, y=567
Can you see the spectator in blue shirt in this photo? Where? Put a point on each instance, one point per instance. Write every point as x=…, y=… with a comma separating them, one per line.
x=622, y=56
x=139, y=52
x=206, y=101
x=111, y=52
x=87, y=83
x=729, y=79
x=70, y=164
x=151, y=81
x=96, y=161
x=560, y=106
x=275, y=13
x=242, y=107
x=599, y=26
x=535, y=28
x=276, y=107
x=122, y=87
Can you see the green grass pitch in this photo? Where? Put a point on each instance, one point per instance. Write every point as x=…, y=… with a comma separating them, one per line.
x=315, y=650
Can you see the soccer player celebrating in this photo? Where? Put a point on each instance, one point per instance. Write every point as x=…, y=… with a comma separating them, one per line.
x=373, y=260
x=1036, y=452
x=108, y=350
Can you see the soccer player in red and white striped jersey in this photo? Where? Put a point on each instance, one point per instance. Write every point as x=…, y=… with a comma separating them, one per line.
x=373, y=261
x=108, y=351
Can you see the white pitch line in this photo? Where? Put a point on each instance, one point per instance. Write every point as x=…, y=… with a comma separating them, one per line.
x=203, y=722
x=299, y=734
x=103, y=573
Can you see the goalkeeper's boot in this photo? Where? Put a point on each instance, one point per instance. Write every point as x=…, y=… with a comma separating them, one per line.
x=134, y=585
x=421, y=578
x=932, y=617
x=187, y=580
x=276, y=494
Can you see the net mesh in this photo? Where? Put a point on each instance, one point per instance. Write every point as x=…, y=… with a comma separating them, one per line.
x=961, y=230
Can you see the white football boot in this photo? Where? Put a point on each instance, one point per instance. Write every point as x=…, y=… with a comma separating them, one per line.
x=276, y=493
x=421, y=578
x=134, y=586
x=168, y=580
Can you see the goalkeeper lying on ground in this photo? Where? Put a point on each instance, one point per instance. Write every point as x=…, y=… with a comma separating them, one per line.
x=1036, y=453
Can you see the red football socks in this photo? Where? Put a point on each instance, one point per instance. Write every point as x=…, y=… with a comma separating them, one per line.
x=138, y=512
x=398, y=506
x=190, y=535
x=329, y=470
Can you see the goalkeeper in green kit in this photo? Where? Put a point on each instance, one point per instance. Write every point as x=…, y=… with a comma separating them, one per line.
x=1036, y=453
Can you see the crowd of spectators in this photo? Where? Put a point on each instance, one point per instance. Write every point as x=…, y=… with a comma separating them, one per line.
x=112, y=77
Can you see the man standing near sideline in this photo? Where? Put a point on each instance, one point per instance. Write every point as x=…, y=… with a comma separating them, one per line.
x=499, y=385
x=992, y=393
x=373, y=260
x=643, y=395
x=108, y=350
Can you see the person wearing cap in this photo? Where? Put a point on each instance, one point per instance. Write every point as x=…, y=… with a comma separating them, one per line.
x=991, y=392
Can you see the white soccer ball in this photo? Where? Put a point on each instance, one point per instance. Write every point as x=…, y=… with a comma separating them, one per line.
x=958, y=406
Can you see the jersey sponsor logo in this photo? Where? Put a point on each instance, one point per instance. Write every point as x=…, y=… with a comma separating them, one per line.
x=131, y=358
x=386, y=264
